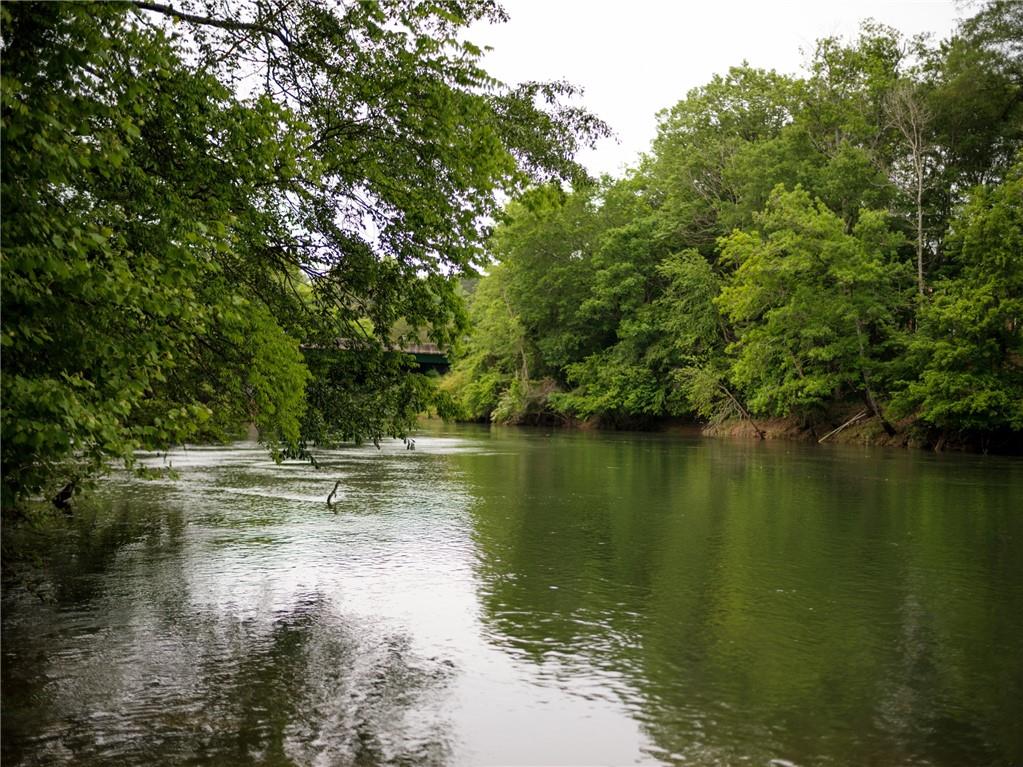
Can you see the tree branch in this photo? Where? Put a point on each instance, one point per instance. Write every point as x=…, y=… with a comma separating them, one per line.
x=209, y=21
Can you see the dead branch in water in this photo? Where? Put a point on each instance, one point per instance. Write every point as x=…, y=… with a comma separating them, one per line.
x=330, y=498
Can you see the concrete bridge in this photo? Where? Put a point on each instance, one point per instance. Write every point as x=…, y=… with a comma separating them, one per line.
x=429, y=357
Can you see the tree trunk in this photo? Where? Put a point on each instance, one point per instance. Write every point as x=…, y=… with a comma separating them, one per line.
x=761, y=434
x=868, y=395
x=850, y=422
x=330, y=498
x=920, y=226
x=875, y=408
x=908, y=113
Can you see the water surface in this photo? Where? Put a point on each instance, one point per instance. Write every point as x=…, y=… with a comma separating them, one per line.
x=517, y=597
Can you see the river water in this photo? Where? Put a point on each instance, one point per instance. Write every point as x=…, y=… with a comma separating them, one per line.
x=517, y=597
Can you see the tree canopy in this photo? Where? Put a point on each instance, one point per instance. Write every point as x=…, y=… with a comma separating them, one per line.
x=217, y=213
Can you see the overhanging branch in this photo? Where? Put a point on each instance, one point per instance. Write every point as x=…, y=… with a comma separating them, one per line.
x=210, y=21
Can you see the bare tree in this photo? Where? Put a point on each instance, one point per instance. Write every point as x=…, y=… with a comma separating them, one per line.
x=911, y=117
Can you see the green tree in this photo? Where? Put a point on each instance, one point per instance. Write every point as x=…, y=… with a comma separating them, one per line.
x=697, y=141
x=495, y=357
x=967, y=356
x=556, y=296
x=814, y=307
x=697, y=285
x=974, y=94
x=628, y=380
x=127, y=204
x=545, y=241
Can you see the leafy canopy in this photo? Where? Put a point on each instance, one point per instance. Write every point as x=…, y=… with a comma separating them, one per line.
x=218, y=212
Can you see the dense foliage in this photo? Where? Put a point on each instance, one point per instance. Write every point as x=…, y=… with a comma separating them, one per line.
x=797, y=247
x=218, y=213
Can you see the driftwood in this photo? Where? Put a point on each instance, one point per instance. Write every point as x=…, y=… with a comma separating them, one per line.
x=850, y=422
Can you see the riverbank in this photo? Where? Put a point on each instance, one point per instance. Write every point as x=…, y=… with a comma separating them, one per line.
x=847, y=429
x=842, y=427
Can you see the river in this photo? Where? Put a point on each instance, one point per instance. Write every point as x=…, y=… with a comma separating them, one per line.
x=513, y=596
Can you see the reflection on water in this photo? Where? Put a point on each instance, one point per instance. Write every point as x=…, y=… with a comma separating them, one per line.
x=769, y=601
x=515, y=597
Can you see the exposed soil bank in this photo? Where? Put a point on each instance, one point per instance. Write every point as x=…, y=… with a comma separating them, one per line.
x=868, y=431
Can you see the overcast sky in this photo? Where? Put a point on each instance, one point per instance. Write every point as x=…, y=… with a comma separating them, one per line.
x=636, y=57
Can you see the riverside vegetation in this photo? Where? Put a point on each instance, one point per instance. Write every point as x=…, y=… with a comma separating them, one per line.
x=844, y=245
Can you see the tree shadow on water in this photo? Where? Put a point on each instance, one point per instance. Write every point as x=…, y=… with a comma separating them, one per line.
x=300, y=686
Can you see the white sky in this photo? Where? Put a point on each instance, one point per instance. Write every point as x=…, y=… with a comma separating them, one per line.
x=636, y=57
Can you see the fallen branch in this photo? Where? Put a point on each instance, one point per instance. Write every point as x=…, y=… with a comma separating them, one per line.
x=850, y=422
x=743, y=411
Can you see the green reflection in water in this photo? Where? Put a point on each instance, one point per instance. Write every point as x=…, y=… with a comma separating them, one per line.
x=767, y=601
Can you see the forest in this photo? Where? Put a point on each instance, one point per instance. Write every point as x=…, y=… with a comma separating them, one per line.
x=806, y=251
